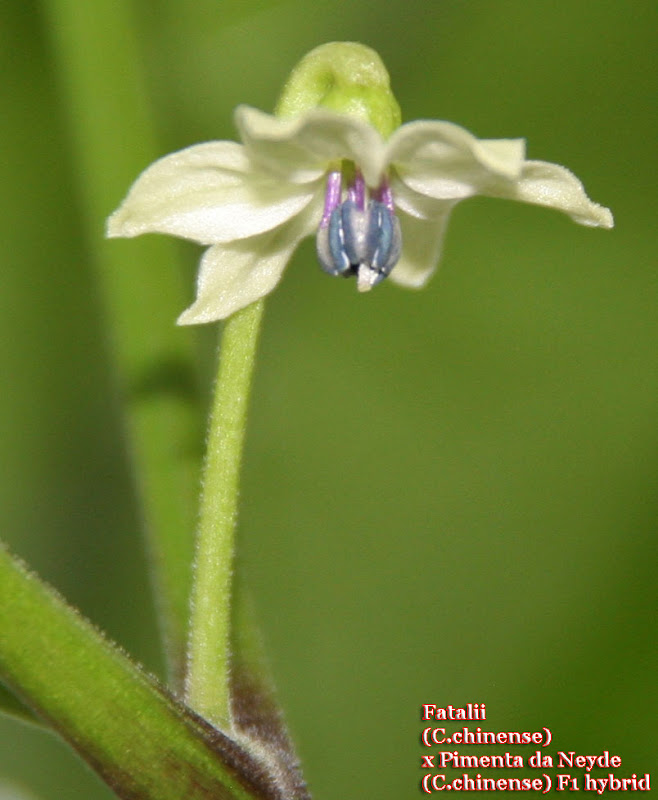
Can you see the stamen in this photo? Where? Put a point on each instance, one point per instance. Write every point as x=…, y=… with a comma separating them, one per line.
x=385, y=195
x=331, y=196
x=358, y=236
x=357, y=191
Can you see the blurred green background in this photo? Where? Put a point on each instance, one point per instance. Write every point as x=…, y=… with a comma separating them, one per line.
x=448, y=496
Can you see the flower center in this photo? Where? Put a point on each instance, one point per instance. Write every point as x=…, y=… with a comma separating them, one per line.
x=359, y=235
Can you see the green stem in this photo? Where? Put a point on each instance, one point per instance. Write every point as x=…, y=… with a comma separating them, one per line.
x=144, y=743
x=207, y=683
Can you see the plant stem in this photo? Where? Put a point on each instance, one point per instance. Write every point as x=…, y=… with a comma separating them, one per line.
x=207, y=682
x=144, y=743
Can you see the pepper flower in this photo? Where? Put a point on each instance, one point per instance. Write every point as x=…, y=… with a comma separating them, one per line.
x=332, y=161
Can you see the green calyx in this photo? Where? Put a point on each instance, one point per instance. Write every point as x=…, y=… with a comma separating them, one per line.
x=346, y=77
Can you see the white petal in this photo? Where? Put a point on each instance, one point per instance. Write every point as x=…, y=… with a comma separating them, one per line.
x=445, y=161
x=210, y=193
x=235, y=274
x=421, y=249
x=306, y=145
x=419, y=205
x=550, y=185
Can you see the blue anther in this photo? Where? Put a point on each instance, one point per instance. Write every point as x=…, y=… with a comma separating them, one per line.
x=352, y=222
x=359, y=242
x=383, y=239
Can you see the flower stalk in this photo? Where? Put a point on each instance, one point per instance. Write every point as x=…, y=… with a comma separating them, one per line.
x=207, y=680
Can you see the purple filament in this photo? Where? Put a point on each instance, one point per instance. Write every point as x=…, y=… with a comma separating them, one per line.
x=357, y=191
x=331, y=197
x=385, y=195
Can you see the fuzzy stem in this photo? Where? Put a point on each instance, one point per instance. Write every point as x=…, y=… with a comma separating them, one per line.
x=207, y=681
x=131, y=731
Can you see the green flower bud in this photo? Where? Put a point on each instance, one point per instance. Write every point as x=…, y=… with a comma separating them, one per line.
x=346, y=77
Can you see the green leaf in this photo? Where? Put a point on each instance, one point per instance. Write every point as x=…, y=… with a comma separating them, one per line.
x=97, y=62
x=136, y=736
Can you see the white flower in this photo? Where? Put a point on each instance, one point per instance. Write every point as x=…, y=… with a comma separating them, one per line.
x=335, y=174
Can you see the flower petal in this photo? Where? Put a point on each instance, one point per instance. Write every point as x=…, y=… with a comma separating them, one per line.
x=210, y=193
x=417, y=204
x=445, y=161
x=305, y=146
x=550, y=185
x=235, y=274
x=421, y=249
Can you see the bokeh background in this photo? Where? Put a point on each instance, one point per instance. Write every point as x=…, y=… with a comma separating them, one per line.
x=448, y=496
